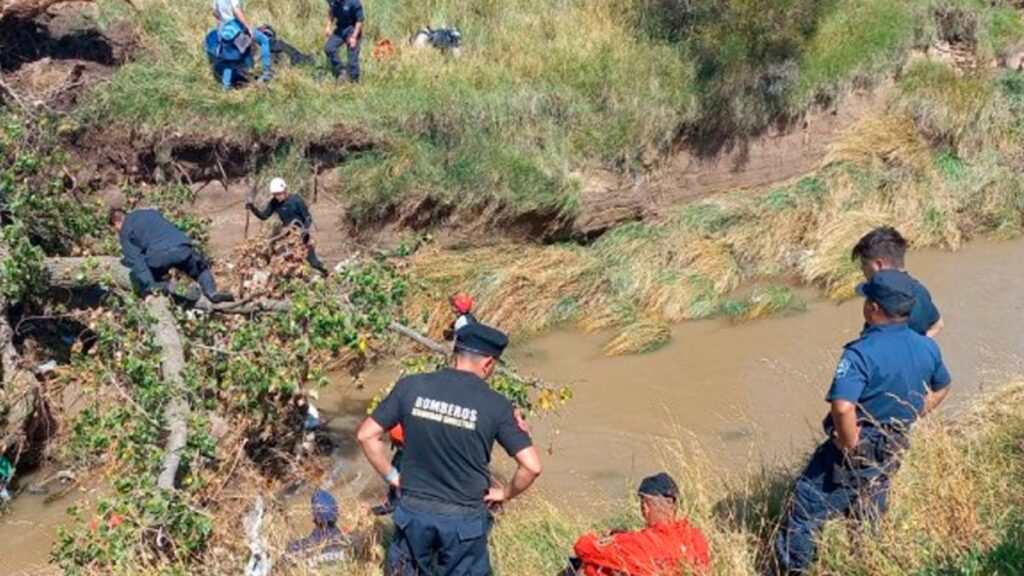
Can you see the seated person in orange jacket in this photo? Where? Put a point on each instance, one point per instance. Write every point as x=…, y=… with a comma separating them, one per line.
x=667, y=546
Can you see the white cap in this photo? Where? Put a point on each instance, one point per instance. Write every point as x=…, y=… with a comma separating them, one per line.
x=278, y=185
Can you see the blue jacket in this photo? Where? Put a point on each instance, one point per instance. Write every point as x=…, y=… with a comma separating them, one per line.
x=145, y=232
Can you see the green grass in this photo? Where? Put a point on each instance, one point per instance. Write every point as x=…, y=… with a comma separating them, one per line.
x=545, y=88
x=542, y=86
x=858, y=39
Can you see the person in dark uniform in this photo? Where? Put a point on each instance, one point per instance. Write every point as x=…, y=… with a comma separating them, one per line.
x=885, y=249
x=327, y=543
x=152, y=246
x=666, y=545
x=885, y=380
x=291, y=210
x=451, y=419
x=344, y=27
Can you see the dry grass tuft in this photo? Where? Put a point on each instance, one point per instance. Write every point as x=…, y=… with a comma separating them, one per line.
x=640, y=337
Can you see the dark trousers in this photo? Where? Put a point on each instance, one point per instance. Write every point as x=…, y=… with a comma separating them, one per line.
x=432, y=543
x=833, y=485
x=334, y=44
x=184, y=258
x=311, y=257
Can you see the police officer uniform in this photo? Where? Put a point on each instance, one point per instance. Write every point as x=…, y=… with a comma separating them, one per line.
x=152, y=246
x=451, y=419
x=887, y=373
x=346, y=14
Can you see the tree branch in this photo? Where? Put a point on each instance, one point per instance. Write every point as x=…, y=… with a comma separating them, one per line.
x=106, y=270
x=177, y=409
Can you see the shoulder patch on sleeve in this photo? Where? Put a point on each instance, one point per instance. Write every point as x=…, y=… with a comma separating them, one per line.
x=606, y=540
x=843, y=368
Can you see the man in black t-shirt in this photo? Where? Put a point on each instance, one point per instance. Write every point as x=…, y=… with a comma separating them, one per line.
x=885, y=249
x=451, y=419
x=292, y=211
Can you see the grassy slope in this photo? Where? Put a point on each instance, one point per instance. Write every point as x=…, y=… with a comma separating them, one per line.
x=937, y=162
x=544, y=88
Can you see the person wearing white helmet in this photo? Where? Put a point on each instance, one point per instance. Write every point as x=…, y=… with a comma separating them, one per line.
x=292, y=210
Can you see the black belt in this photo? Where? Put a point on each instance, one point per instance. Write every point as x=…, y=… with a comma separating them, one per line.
x=437, y=507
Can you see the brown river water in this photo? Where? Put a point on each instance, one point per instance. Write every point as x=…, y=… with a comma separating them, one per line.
x=747, y=394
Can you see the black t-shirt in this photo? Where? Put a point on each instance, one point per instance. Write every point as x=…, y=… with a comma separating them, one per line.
x=293, y=209
x=924, y=313
x=451, y=419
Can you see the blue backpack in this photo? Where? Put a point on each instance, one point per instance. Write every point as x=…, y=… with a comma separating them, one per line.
x=229, y=49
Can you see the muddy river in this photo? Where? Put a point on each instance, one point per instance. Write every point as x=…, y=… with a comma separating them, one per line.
x=746, y=394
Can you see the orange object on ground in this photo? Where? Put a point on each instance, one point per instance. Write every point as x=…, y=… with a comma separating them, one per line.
x=657, y=551
x=383, y=50
x=397, y=435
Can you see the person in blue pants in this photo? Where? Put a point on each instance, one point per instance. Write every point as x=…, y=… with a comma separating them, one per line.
x=344, y=28
x=227, y=10
x=885, y=380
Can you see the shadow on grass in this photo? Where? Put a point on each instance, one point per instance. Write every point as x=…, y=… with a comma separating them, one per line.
x=756, y=508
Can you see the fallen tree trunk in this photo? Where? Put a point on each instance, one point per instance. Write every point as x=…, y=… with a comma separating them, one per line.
x=19, y=389
x=168, y=338
x=107, y=270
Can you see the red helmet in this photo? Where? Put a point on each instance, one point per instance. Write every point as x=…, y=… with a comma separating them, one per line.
x=462, y=303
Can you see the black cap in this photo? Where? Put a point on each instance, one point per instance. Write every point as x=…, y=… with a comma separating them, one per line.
x=661, y=485
x=893, y=290
x=481, y=339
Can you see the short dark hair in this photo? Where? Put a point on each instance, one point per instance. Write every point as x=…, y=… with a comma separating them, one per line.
x=115, y=215
x=472, y=355
x=883, y=243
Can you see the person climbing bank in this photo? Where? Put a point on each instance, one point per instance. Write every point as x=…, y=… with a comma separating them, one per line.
x=344, y=28
x=231, y=10
x=462, y=308
x=451, y=420
x=152, y=247
x=666, y=546
x=292, y=210
x=885, y=381
x=885, y=249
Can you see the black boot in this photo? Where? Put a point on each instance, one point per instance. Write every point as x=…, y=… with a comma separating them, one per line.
x=209, y=286
x=221, y=297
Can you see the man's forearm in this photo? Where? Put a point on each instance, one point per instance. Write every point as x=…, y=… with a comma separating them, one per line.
x=521, y=481
x=376, y=453
x=240, y=16
x=934, y=329
x=933, y=399
x=357, y=31
x=844, y=418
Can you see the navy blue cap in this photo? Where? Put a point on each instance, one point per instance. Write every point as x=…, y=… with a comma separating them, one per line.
x=893, y=290
x=325, y=507
x=661, y=485
x=481, y=339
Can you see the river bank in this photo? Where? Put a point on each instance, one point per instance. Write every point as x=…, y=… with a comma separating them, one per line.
x=724, y=403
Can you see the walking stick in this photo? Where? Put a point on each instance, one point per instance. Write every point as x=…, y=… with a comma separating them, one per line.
x=248, y=213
